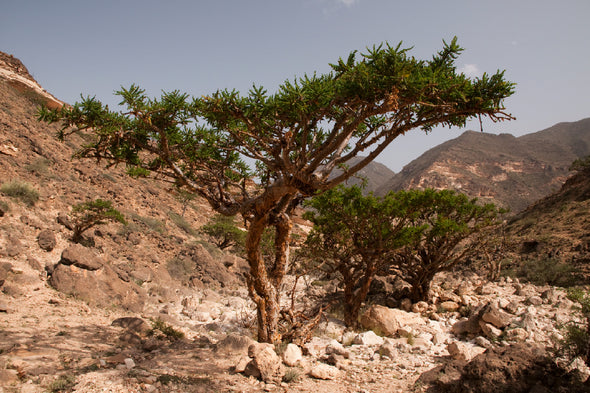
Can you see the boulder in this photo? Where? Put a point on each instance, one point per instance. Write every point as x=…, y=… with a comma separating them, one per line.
x=517, y=334
x=388, y=349
x=449, y=305
x=82, y=257
x=334, y=347
x=98, y=287
x=466, y=326
x=265, y=364
x=462, y=351
x=324, y=371
x=292, y=355
x=46, y=240
x=368, y=338
x=489, y=330
x=388, y=320
x=133, y=324
x=492, y=314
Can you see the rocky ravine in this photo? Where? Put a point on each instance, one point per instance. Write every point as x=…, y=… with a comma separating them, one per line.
x=48, y=338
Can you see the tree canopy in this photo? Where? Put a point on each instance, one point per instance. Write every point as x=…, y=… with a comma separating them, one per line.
x=296, y=137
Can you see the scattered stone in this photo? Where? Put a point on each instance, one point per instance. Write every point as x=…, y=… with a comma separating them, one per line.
x=466, y=326
x=129, y=363
x=324, y=371
x=492, y=314
x=420, y=307
x=534, y=300
x=516, y=334
x=46, y=240
x=292, y=355
x=449, y=306
x=334, y=347
x=490, y=330
x=368, y=338
x=388, y=320
x=483, y=342
x=461, y=351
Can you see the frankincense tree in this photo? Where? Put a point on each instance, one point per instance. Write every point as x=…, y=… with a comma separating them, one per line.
x=295, y=137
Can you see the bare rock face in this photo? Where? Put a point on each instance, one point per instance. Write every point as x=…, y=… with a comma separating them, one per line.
x=83, y=274
x=387, y=321
x=46, y=240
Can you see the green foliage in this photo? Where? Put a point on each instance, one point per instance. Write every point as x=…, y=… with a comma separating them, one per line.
x=576, y=341
x=224, y=233
x=158, y=325
x=62, y=384
x=4, y=207
x=89, y=214
x=545, y=271
x=20, y=190
x=136, y=171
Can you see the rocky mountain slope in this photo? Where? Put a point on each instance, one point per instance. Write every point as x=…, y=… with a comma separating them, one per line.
x=512, y=172
x=374, y=176
x=153, y=307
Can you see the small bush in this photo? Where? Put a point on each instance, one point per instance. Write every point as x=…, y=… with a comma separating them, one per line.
x=545, y=271
x=576, y=341
x=137, y=172
x=20, y=190
x=89, y=214
x=292, y=374
x=165, y=329
x=62, y=384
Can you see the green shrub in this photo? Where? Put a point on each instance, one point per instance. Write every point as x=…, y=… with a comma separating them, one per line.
x=165, y=329
x=62, y=384
x=136, y=171
x=576, y=341
x=89, y=214
x=20, y=190
x=544, y=271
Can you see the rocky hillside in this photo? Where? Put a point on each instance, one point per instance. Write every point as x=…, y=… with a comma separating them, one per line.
x=153, y=307
x=512, y=172
x=374, y=175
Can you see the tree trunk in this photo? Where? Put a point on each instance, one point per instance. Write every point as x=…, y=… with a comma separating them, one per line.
x=264, y=284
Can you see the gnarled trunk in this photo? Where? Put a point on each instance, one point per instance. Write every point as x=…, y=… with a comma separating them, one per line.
x=264, y=282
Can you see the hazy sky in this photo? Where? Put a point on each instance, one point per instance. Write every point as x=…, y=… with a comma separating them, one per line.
x=94, y=47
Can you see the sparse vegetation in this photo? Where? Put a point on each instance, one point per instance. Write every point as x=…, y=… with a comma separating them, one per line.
x=545, y=271
x=223, y=232
x=39, y=166
x=166, y=330
x=576, y=341
x=182, y=223
x=153, y=224
x=180, y=268
x=89, y=214
x=63, y=383
x=20, y=190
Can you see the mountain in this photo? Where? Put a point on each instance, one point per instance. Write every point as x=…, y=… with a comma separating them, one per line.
x=374, y=174
x=510, y=171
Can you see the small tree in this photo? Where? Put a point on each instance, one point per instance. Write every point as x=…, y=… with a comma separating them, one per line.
x=89, y=214
x=449, y=224
x=356, y=236
x=296, y=137
x=224, y=233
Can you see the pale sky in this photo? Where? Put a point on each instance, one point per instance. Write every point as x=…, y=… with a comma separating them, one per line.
x=93, y=47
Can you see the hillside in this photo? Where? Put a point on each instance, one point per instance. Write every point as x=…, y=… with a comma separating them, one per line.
x=513, y=172
x=375, y=175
